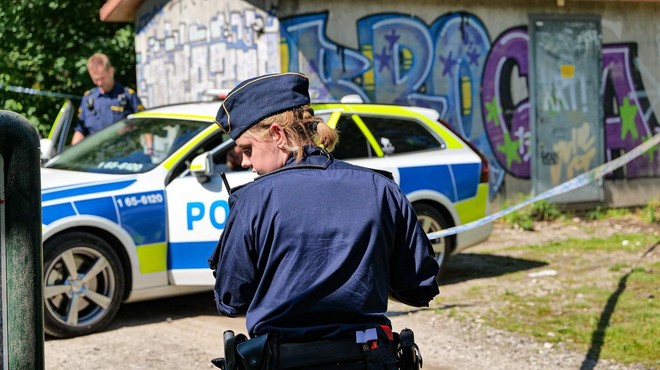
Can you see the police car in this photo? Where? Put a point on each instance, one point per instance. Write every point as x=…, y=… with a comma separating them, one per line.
x=134, y=211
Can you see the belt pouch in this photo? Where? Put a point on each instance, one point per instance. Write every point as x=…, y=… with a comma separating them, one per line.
x=313, y=354
x=383, y=356
x=255, y=353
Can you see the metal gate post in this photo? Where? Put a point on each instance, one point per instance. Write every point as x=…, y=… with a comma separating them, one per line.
x=21, y=288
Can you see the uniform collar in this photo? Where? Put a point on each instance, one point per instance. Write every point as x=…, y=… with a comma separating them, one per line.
x=116, y=90
x=312, y=156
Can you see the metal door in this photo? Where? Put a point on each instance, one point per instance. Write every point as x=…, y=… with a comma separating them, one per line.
x=567, y=125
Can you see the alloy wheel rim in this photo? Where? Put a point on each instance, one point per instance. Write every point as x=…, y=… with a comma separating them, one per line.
x=431, y=225
x=79, y=286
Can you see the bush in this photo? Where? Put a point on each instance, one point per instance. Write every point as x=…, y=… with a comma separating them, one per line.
x=43, y=53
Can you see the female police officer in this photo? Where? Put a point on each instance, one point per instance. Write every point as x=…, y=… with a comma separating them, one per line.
x=313, y=247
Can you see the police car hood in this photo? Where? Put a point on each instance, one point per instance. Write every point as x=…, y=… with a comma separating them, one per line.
x=61, y=180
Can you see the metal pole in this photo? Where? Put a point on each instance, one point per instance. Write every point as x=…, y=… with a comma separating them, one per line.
x=21, y=288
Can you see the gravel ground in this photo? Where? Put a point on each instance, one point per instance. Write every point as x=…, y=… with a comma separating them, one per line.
x=451, y=344
x=185, y=332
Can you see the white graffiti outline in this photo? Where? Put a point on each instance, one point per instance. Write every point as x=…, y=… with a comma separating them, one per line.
x=427, y=39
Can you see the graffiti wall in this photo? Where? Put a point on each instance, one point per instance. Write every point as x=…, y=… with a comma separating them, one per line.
x=187, y=47
x=455, y=66
x=471, y=64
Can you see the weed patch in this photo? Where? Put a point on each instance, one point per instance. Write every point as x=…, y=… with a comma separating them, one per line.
x=603, y=300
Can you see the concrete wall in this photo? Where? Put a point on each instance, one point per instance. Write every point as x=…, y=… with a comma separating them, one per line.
x=182, y=50
x=185, y=47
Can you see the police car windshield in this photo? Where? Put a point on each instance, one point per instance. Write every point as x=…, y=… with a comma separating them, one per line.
x=128, y=146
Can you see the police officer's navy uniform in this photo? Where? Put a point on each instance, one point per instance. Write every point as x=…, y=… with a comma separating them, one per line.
x=99, y=110
x=300, y=268
x=311, y=252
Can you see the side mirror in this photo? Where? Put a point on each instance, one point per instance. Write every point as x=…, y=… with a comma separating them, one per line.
x=202, y=167
x=46, y=149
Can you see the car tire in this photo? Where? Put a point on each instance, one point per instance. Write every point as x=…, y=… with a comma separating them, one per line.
x=432, y=220
x=95, y=288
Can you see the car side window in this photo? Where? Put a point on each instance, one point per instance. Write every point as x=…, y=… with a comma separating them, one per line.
x=399, y=135
x=228, y=157
x=352, y=143
x=208, y=144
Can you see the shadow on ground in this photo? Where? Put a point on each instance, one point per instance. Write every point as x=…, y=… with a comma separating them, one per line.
x=469, y=266
x=462, y=267
x=159, y=310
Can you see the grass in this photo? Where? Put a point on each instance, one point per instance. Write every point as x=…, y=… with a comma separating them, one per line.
x=538, y=211
x=542, y=210
x=603, y=213
x=631, y=243
x=603, y=301
x=651, y=212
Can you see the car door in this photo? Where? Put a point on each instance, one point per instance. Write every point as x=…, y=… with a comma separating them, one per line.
x=389, y=142
x=60, y=132
x=197, y=211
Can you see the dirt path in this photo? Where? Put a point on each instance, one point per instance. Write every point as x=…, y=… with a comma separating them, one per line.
x=186, y=332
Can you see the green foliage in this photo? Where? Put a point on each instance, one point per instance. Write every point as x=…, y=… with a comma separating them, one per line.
x=520, y=219
x=15, y=106
x=602, y=213
x=595, y=214
x=45, y=45
x=651, y=212
x=541, y=210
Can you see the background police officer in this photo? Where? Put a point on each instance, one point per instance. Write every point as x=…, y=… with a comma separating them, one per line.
x=313, y=248
x=107, y=103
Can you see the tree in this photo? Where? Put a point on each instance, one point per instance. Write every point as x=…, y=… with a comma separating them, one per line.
x=44, y=46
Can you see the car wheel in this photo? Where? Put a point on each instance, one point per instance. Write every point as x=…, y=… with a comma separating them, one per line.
x=432, y=220
x=83, y=284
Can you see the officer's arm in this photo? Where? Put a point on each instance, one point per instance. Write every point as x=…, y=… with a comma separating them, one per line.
x=235, y=271
x=413, y=266
x=136, y=103
x=79, y=128
x=77, y=137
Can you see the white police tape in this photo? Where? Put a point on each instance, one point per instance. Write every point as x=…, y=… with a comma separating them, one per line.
x=569, y=185
x=27, y=90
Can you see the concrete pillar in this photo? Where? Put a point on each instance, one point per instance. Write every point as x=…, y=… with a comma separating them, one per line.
x=21, y=290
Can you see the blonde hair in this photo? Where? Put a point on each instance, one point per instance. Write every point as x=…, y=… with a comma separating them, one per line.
x=99, y=60
x=301, y=128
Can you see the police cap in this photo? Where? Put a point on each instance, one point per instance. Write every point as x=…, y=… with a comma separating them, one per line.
x=260, y=97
